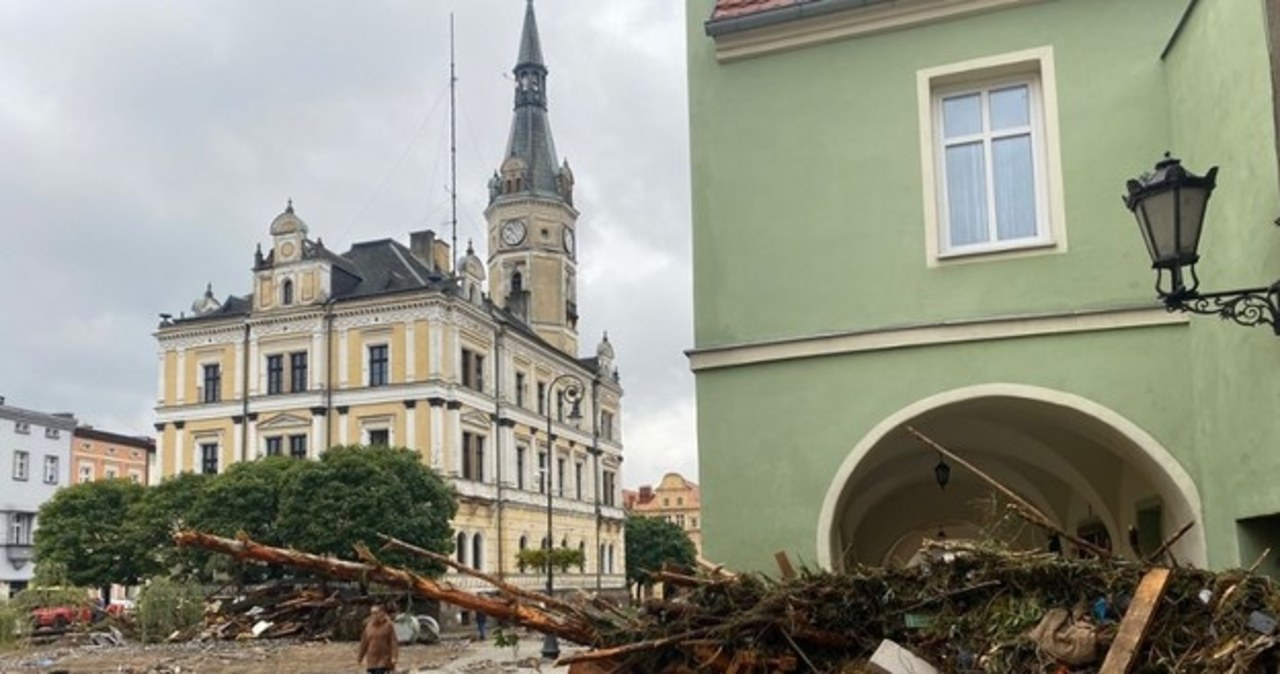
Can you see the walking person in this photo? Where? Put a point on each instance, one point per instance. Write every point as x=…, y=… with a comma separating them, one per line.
x=482, y=623
x=379, y=648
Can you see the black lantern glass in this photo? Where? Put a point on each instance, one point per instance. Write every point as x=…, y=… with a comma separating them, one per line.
x=1169, y=204
x=942, y=473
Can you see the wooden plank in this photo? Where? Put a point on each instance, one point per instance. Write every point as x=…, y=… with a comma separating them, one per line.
x=1136, y=623
x=784, y=565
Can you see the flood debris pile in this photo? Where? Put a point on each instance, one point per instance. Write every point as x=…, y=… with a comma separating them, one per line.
x=297, y=611
x=967, y=608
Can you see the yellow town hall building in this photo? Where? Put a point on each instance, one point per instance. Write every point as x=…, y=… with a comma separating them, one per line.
x=392, y=344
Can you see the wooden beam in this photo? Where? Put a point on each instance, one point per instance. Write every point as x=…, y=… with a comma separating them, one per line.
x=1136, y=623
x=784, y=565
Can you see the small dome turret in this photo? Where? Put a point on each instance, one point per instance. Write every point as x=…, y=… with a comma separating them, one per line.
x=206, y=303
x=288, y=223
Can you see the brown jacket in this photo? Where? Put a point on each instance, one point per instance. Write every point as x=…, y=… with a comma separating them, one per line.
x=379, y=643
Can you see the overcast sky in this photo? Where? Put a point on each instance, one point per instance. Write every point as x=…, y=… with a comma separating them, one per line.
x=145, y=146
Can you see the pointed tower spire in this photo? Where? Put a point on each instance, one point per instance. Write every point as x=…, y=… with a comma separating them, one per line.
x=530, y=166
x=530, y=45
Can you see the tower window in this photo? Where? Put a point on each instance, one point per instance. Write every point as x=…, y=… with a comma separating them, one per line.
x=517, y=282
x=286, y=292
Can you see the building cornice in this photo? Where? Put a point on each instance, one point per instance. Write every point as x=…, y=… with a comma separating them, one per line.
x=931, y=334
x=807, y=24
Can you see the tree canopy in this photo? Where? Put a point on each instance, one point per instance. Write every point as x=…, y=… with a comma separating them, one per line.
x=354, y=493
x=78, y=533
x=653, y=542
x=115, y=531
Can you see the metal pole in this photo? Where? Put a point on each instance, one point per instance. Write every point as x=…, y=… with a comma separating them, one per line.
x=550, y=645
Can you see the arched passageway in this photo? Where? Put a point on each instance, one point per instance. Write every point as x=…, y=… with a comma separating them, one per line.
x=1091, y=470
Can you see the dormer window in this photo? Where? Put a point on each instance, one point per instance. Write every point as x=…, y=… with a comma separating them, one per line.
x=286, y=292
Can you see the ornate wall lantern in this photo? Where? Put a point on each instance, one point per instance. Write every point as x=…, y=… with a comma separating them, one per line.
x=1169, y=204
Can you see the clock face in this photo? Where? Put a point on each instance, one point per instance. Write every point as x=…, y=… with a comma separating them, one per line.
x=568, y=240
x=286, y=249
x=513, y=232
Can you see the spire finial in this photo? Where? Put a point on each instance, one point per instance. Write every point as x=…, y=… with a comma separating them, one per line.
x=470, y=250
x=289, y=208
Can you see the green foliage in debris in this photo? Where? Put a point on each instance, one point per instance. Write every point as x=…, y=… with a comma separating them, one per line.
x=166, y=606
x=561, y=559
x=652, y=543
x=354, y=493
x=82, y=532
x=12, y=623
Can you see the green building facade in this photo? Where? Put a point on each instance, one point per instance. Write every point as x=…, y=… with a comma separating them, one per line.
x=909, y=214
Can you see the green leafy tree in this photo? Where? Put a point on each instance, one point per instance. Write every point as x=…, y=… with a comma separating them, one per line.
x=652, y=543
x=163, y=509
x=84, y=529
x=244, y=499
x=354, y=493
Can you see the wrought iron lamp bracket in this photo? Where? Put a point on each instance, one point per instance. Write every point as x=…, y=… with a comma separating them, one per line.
x=1250, y=307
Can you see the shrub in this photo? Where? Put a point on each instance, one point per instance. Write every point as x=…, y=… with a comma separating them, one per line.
x=166, y=606
x=12, y=620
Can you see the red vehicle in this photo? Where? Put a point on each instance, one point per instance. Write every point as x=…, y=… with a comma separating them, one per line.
x=61, y=617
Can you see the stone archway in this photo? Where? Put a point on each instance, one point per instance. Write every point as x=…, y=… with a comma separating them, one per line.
x=1080, y=462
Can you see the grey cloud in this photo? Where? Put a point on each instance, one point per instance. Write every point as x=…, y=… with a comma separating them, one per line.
x=145, y=145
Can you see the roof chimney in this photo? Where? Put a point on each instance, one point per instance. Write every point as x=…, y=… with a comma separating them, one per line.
x=441, y=258
x=421, y=245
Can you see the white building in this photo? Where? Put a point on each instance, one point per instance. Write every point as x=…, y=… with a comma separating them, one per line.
x=35, y=460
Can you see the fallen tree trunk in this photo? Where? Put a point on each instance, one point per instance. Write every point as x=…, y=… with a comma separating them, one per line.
x=524, y=615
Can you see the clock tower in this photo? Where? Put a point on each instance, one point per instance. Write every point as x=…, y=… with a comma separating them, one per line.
x=532, y=222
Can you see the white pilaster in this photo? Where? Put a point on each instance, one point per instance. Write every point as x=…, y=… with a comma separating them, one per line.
x=180, y=450
x=435, y=360
x=180, y=395
x=410, y=338
x=238, y=364
x=455, y=431
x=317, y=437
x=317, y=363
x=342, y=429
x=437, y=437
x=342, y=361
x=507, y=438
x=491, y=455
x=410, y=428
x=251, y=451
x=255, y=368
x=237, y=444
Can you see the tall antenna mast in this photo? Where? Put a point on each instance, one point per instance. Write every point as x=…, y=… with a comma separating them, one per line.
x=453, y=149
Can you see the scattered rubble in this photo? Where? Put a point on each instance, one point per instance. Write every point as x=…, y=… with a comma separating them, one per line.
x=967, y=607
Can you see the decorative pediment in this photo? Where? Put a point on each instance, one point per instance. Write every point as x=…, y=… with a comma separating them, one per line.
x=476, y=419
x=284, y=421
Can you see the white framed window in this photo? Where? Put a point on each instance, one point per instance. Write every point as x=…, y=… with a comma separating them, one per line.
x=50, y=469
x=85, y=471
x=52, y=433
x=21, y=427
x=21, y=465
x=111, y=472
x=990, y=158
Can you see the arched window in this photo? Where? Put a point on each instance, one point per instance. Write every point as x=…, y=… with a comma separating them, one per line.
x=610, y=565
x=460, y=547
x=524, y=545
x=545, y=544
x=517, y=282
x=582, y=549
x=477, y=552
x=600, y=559
x=286, y=292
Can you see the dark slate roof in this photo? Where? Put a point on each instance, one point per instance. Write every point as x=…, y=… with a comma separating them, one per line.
x=384, y=266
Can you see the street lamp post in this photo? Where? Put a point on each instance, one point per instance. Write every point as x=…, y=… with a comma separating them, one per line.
x=1169, y=204
x=573, y=393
